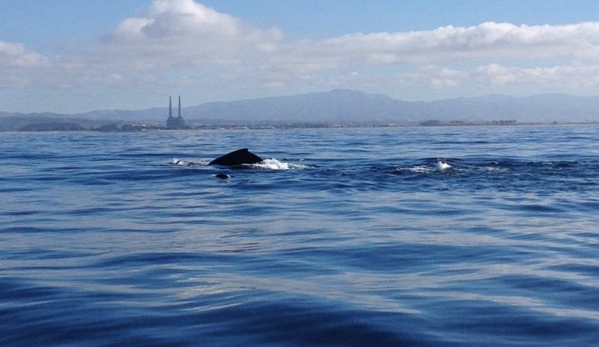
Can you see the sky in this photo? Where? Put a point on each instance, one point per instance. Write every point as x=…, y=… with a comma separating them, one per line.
x=72, y=56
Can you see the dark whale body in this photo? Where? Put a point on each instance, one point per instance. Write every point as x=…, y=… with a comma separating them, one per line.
x=237, y=158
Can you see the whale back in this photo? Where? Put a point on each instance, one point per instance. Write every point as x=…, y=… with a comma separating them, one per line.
x=237, y=158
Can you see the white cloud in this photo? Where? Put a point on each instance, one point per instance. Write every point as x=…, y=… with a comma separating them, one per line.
x=487, y=40
x=186, y=34
x=19, y=66
x=570, y=76
x=184, y=43
x=18, y=56
x=183, y=33
x=565, y=76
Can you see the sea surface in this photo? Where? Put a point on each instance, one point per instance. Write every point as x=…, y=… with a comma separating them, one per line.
x=342, y=237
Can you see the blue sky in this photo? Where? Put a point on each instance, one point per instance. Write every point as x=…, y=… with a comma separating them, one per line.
x=77, y=56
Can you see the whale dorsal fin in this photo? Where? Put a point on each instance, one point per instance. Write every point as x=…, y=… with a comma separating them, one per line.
x=236, y=158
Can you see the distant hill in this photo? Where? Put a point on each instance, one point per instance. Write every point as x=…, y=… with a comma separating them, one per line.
x=350, y=106
x=336, y=106
x=341, y=106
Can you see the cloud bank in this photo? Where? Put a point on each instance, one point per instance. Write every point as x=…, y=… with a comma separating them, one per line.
x=186, y=44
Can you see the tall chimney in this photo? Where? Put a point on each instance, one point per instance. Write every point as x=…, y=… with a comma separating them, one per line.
x=170, y=107
x=179, y=105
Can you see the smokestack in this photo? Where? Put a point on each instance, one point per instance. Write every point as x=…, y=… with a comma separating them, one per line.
x=170, y=107
x=179, y=105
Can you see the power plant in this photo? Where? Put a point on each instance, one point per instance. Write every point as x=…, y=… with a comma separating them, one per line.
x=175, y=122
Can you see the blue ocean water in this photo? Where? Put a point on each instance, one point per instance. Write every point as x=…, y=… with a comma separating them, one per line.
x=344, y=237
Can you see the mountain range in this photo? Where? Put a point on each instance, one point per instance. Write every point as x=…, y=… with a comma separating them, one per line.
x=342, y=106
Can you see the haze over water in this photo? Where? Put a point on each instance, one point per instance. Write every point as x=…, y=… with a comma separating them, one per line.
x=344, y=237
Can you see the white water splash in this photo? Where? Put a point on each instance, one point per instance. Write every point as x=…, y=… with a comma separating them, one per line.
x=420, y=169
x=181, y=162
x=442, y=165
x=274, y=164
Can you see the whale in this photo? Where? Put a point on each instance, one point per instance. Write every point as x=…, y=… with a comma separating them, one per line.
x=237, y=158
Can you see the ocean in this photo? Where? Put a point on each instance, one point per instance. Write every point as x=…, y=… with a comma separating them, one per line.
x=342, y=237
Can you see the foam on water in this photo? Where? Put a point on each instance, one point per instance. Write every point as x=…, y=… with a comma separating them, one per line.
x=181, y=162
x=274, y=164
x=421, y=169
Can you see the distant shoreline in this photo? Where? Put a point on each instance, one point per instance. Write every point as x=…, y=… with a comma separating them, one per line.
x=142, y=127
x=336, y=108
